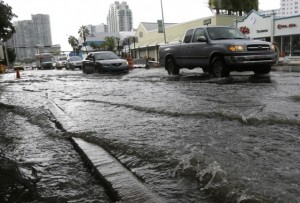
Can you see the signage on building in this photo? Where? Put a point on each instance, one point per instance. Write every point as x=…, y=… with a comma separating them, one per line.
x=261, y=31
x=207, y=22
x=281, y=26
x=245, y=30
x=252, y=20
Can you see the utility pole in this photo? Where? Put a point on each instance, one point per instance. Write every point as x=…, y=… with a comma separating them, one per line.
x=163, y=20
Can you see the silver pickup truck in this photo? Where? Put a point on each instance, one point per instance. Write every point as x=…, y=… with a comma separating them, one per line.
x=218, y=51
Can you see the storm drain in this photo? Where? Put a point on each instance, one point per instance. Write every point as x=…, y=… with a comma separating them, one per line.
x=122, y=184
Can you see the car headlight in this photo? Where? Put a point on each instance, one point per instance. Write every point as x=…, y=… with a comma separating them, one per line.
x=236, y=48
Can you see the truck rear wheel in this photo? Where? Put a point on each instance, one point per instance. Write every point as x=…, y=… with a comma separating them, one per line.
x=172, y=68
x=219, y=67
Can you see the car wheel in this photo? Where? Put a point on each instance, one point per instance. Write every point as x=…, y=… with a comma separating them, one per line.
x=219, y=67
x=260, y=70
x=172, y=68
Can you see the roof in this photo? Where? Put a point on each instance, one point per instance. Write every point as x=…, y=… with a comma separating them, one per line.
x=154, y=26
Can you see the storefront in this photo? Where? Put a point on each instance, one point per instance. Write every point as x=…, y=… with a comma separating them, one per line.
x=283, y=31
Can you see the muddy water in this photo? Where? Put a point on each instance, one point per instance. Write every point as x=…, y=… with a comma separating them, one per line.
x=190, y=138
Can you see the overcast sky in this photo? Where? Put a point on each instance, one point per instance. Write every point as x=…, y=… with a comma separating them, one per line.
x=66, y=16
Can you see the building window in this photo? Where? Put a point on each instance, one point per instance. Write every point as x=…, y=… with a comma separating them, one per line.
x=141, y=34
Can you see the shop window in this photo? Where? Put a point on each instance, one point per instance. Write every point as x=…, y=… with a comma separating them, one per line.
x=286, y=45
x=296, y=45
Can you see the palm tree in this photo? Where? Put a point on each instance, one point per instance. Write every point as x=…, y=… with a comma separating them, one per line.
x=110, y=43
x=233, y=6
x=73, y=42
x=84, y=33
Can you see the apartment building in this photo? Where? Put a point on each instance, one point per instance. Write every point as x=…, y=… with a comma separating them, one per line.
x=289, y=7
x=119, y=17
x=29, y=35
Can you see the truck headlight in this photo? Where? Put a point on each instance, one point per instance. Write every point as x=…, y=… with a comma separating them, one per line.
x=235, y=48
x=273, y=48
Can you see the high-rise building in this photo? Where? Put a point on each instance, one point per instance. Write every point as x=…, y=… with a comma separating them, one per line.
x=30, y=34
x=42, y=29
x=289, y=7
x=23, y=39
x=119, y=17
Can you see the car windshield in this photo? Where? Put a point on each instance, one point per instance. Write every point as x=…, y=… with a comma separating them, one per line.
x=75, y=58
x=220, y=33
x=105, y=56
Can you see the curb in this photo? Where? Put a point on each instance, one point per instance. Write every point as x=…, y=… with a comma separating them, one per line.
x=120, y=183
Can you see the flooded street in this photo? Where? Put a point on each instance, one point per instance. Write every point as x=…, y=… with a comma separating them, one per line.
x=191, y=138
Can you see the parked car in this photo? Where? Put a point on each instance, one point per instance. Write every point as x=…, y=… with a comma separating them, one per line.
x=61, y=62
x=74, y=62
x=104, y=61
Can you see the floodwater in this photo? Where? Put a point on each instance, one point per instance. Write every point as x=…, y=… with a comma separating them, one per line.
x=191, y=138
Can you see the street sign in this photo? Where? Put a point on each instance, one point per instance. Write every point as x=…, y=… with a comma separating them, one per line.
x=207, y=22
x=160, y=26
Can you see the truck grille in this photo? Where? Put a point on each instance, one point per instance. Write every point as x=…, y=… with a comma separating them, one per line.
x=258, y=47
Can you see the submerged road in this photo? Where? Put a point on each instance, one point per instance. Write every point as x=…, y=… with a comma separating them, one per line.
x=191, y=138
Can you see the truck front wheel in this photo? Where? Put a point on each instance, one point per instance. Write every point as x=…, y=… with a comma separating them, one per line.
x=172, y=68
x=219, y=67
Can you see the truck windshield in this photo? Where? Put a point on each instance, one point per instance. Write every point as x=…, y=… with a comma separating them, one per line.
x=221, y=33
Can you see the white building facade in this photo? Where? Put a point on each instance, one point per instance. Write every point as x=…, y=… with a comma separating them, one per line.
x=289, y=7
x=283, y=31
x=119, y=17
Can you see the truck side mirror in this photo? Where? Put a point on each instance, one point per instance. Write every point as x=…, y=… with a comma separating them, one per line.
x=201, y=39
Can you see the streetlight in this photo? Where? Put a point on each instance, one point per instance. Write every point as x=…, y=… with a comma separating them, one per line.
x=163, y=21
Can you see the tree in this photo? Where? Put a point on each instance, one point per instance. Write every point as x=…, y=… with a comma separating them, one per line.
x=11, y=53
x=109, y=43
x=74, y=43
x=84, y=33
x=6, y=27
x=230, y=7
x=95, y=46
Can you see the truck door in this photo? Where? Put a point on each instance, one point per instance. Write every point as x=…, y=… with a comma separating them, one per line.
x=183, y=56
x=198, y=53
